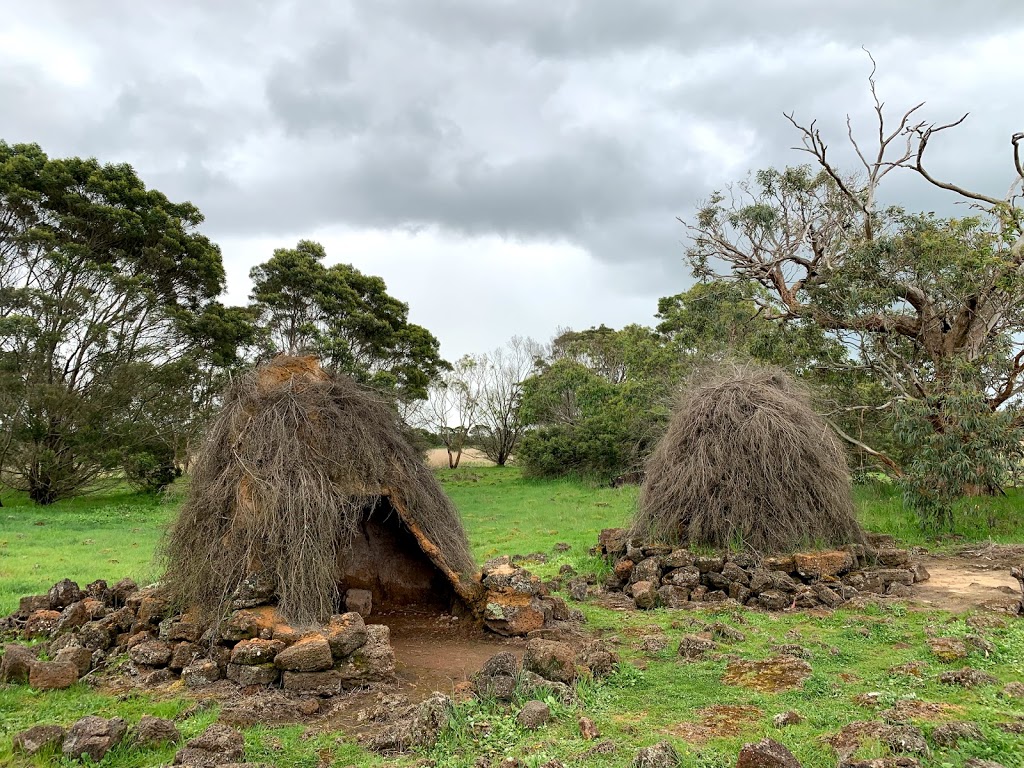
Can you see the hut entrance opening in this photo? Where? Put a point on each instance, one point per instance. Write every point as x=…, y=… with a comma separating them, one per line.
x=385, y=558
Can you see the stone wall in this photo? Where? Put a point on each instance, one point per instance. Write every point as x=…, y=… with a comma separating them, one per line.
x=656, y=575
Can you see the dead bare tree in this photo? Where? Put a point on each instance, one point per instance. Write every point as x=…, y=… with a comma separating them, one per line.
x=451, y=407
x=504, y=371
x=920, y=298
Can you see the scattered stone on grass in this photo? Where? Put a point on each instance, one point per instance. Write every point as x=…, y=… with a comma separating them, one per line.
x=94, y=736
x=695, y=646
x=413, y=728
x=950, y=734
x=533, y=715
x=153, y=731
x=901, y=761
x=725, y=633
x=766, y=754
x=967, y=677
x=39, y=738
x=588, y=730
x=653, y=643
x=784, y=719
x=1010, y=690
x=908, y=710
x=977, y=762
x=906, y=739
x=497, y=677
x=217, y=745
x=660, y=755
x=551, y=660
x=781, y=673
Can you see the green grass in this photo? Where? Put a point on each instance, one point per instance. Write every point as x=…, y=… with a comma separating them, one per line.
x=643, y=702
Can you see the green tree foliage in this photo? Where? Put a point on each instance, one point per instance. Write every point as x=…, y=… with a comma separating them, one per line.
x=598, y=403
x=930, y=308
x=104, y=285
x=344, y=317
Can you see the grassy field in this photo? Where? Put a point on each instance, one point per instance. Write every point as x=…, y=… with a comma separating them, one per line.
x=653, y=696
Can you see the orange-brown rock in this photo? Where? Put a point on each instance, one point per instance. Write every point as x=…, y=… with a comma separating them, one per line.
x=818, y=565
x=310, y=654
x=51, y=675
x=41, y=624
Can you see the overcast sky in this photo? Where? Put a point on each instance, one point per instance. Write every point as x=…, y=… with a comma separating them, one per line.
x=507, y=167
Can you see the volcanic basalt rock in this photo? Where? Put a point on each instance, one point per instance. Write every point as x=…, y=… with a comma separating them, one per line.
x=802, y=580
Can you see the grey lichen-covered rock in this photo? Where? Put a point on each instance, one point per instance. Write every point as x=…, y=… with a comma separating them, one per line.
x=94, y=736
x=16, y=664
x=200, y=673
x=645, y=595
x=551, y=660
x=648, y=569
x=416, y=728
x=253, y=674
x=64, y=593
x=256, y=589
x=216, y=746
x=533, y=715
x=38, y=739
x=152, y=731
x=373, y=662
x=152, y=653
x=660, y=755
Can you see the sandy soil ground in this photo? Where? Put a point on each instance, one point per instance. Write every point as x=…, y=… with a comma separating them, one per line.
x=973, y=577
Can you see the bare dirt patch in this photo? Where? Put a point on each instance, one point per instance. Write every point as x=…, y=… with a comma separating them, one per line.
x=782, y=673
x=719, y=721
x=435, y=654
x=971, y=580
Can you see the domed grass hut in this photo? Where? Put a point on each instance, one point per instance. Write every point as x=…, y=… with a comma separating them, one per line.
x=747, y=462
x=306, y=485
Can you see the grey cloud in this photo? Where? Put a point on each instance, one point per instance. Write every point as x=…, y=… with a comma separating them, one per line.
x=534, y=120
x=601, y=27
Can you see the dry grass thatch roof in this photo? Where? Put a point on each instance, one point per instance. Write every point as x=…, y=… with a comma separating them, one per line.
x=747, y=461
x=286, y=474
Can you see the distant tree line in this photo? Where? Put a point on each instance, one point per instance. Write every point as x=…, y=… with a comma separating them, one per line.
x=114, y=347
x=907, y=325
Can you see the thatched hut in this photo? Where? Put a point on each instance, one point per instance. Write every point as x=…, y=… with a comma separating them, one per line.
x=306, y=483
x=746, y=461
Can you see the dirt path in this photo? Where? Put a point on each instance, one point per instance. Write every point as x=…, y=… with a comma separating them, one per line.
x=969, y=581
